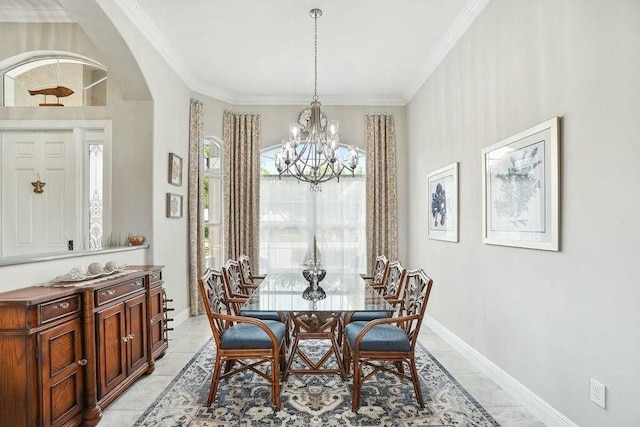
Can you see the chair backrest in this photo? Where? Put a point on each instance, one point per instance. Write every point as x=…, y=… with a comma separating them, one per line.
x=414, y=303
x=245, y=268
x=233, y=279
x=395, y=280
x=380, y=270
x=213, y=294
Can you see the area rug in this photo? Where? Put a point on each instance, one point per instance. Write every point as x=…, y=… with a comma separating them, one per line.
x=314, y=400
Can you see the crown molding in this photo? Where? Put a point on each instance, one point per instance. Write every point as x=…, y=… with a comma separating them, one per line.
x=133, y=11
x=455, y=32
x=325, y=100
x=35, y=14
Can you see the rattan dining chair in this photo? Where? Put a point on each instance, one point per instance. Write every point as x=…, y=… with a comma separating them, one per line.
x=391, y=288
x=232, y=273
x=380, y=271
x=244, y=340
x=386, y=344
x=234, y=288
x=248, y=278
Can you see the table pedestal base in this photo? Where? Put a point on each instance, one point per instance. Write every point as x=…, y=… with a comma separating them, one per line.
x=318, y=326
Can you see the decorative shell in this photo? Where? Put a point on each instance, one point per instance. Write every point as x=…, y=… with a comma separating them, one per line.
x=110, y=266
x=94, y=268
x=76, y=273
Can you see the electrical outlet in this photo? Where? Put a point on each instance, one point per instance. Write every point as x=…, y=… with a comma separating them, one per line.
x=597, y=392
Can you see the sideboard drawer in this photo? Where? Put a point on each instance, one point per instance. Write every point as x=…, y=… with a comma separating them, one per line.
x=110, y=293
x=155, y=276
x=60, y=308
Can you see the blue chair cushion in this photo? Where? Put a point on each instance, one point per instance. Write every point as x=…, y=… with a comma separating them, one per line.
x=367, y=316
x=244, y=335
x=262, y=315
x=379, y=338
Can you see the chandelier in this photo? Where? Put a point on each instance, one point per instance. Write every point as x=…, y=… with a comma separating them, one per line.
x=311, y=152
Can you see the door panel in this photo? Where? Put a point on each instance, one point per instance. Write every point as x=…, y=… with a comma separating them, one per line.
x=38, y=222
x=112, y=368
x=60, y=374
x=137, y=332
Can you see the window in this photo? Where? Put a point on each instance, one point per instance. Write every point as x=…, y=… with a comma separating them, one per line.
x=96, y=194
x=213, y=237
x=291, y=214
x=49, y=81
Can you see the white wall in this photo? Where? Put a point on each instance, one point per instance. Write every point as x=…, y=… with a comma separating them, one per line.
x=170, y=132
x=551, y=320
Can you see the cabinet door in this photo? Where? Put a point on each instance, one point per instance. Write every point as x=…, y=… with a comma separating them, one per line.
x=136, y=309
x=156, y=334
x=61, y=373
x=111, y=348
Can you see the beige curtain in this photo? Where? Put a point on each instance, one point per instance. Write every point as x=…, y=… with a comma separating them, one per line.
x=382, y=203
x=196, y=211
x=241, y=171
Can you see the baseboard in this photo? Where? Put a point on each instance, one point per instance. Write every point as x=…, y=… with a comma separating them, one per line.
x=541, y=409
x=181, y=317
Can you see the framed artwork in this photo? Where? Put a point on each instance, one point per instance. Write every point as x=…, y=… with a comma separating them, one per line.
x=175, y=170
x=520, y=189
x=174, y=205
x=442, y=186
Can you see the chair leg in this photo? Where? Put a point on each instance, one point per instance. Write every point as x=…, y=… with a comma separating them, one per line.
x=399, y=366
x=228, y=365
x=292, y=354
x=346, y=357
x=355, y=400
x=339, y=360
x=282, y=357
x=275, y=379
x=215, y=380
x=416, y=382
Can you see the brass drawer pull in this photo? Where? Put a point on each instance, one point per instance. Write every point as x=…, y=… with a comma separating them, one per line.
x=64, y=304
x=82, y=362
x=125, y=339
x=109, y=292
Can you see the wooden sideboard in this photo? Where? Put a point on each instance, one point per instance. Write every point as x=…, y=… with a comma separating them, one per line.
x=67, y=353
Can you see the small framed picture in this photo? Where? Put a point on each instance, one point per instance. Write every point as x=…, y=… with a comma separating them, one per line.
x=520, y=189
x=442, y=187
x=174, y=205
x=175, y=170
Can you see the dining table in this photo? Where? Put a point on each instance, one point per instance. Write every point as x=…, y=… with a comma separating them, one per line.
x=319, y=319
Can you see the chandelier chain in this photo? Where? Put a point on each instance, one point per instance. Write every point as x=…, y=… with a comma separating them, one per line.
x=315, y=49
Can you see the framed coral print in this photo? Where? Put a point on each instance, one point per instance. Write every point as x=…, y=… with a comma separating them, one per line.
x=520, y=189
x=442, y=186
x=175, y=170
x=174, y=205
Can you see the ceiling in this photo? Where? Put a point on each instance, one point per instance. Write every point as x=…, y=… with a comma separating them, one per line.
x=370, y=52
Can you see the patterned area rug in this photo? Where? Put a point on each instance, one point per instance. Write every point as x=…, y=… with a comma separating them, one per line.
x=314, y=400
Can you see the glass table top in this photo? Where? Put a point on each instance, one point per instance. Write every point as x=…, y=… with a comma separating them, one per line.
x=345, y=292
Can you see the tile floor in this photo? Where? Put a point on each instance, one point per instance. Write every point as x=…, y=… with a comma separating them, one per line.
x=190, y=336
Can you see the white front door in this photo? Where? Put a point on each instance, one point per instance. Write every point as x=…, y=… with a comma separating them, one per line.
x=38, y=222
